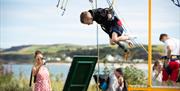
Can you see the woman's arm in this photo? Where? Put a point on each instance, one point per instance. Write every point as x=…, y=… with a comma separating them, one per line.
x=169, y=51
x=34, y=71
x=48, y=78
x=50, y=84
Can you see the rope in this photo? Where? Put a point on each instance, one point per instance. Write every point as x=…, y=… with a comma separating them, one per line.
x=58, y=4
x=177, y=3
x=97, y=41
x=63, y=6
x=134, y=42
x=91, y=2
x=111, y=6
x=64, y=9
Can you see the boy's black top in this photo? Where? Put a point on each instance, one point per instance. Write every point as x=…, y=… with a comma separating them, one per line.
x=100, y=15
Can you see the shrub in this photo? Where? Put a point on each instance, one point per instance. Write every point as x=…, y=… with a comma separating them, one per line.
x=134, y=76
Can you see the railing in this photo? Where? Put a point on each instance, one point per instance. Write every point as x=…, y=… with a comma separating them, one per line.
x=149, y=87
x=153, y=88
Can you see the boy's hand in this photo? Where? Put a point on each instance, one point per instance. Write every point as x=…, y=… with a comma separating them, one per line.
x=109, y=16
x=120, y=81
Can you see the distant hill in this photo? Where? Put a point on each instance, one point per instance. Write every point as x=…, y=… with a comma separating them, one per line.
x=16, y=48
x=25, y=53
x=30, y=49
x=1, y=49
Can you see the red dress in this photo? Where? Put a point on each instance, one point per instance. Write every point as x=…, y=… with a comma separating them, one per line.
x=42, y=80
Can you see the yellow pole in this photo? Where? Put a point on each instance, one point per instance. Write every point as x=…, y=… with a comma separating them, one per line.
x=149, y=43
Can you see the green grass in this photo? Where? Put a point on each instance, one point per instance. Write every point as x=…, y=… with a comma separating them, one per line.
x=25, y=53
x=8, y=82
x=58, y=47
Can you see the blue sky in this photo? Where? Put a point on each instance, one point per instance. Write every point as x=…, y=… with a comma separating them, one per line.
x=24, y=22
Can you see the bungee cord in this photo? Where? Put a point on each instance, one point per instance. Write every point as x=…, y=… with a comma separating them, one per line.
x=58, y=4
x=63, y=6
x=134, y=42
x=176, y=2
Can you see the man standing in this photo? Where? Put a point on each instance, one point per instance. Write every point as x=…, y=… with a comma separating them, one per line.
x=172, y=47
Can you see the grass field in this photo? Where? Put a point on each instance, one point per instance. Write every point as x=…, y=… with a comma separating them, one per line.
x=9, y=82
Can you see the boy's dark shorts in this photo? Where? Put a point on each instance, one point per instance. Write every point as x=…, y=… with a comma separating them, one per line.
x=117, y=29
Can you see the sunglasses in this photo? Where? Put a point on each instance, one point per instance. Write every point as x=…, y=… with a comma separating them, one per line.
x=42, y=58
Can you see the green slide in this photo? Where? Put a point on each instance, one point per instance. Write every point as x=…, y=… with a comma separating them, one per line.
x=80, y=73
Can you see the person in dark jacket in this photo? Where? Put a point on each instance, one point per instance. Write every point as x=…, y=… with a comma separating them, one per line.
x=109, y=23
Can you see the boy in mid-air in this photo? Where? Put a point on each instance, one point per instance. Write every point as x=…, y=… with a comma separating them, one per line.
x=109, y=23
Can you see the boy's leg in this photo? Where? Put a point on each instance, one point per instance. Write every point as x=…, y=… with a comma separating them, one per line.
x=175, y=71
x=122, y=46
x=111, y=42
x=165, y=77
x=129, y=42
x=116, y=38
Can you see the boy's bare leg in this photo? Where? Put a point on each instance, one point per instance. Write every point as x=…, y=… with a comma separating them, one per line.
x=111, y=42
x=116, y=38
x=122, y=46
x=129, y=42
